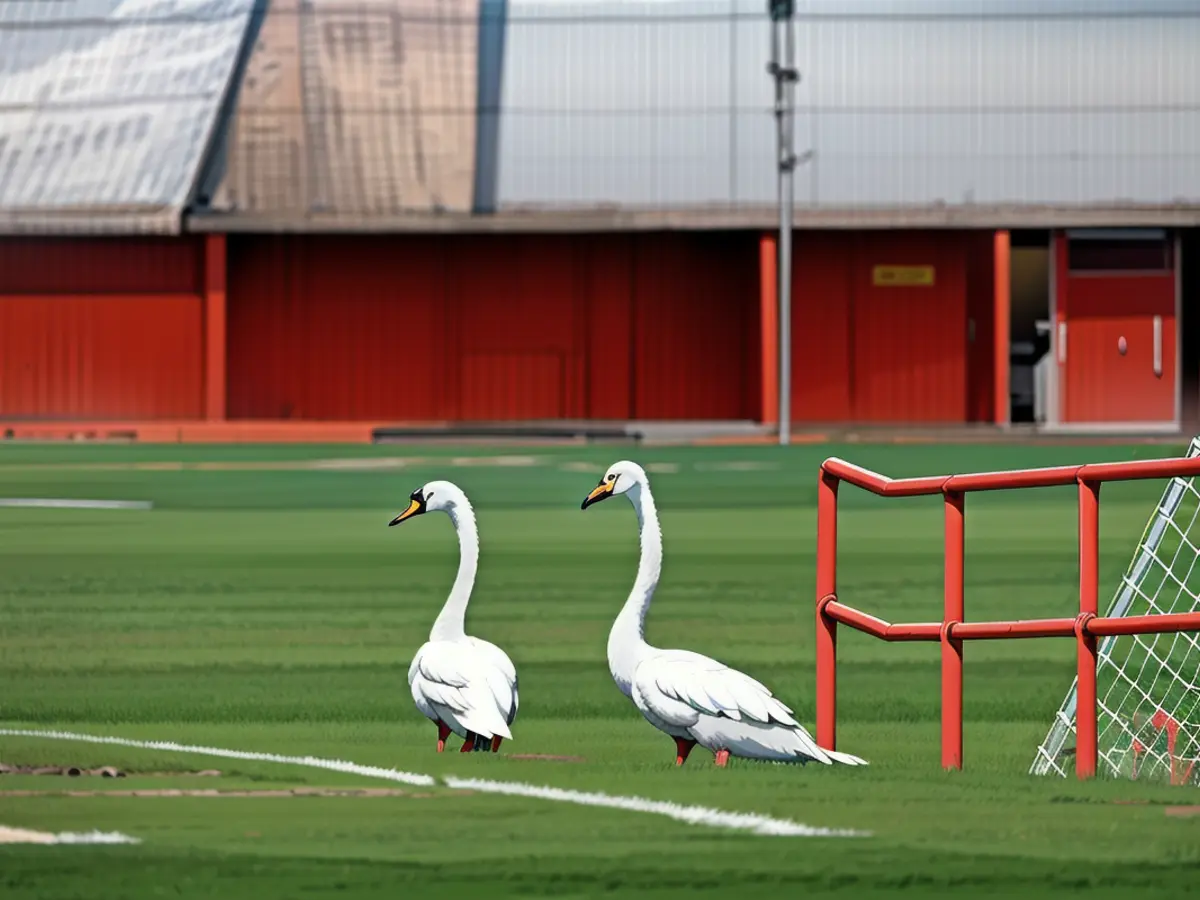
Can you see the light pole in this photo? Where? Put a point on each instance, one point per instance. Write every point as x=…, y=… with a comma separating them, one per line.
x=782, y=69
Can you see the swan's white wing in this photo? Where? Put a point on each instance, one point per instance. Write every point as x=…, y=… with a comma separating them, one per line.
x=502, y=677
x=707, y=687
x=456, y=682
x=723, y=708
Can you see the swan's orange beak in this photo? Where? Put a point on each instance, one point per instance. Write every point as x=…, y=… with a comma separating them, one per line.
x=415, y=508
x=600, y=492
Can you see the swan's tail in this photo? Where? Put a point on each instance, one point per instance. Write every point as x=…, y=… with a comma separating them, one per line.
x=845, y=758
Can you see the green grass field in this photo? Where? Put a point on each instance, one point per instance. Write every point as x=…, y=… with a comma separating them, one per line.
x=264, y=605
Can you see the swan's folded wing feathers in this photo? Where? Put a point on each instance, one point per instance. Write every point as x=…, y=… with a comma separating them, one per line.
x=501, y=676
x=712, y=688
x=438, y=663
x=467, y=684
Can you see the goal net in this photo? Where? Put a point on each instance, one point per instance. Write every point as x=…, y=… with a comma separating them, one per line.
x=1147, y=686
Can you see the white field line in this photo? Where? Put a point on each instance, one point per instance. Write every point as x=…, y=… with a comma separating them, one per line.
x=25, y=836
x=692, y=815
x=311, y=762
x=56, y=503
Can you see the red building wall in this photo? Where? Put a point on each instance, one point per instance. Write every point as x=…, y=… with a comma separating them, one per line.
x=101, y=328
x=493, y=327
x=868, y=353
x=473, y=327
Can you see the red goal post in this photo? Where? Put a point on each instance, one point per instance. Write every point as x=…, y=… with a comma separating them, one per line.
x=953, y=630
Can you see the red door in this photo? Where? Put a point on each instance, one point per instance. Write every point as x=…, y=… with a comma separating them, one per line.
x=1117, y=343
x=910, y=328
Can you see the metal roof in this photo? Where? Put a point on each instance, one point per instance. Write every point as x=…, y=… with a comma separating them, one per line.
x=107, y=107
x=355, y=108
x=902, y=104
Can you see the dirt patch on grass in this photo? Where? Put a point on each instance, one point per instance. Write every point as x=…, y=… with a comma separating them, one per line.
x=1183, y=812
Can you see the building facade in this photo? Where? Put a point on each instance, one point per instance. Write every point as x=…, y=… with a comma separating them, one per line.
x=433, y=211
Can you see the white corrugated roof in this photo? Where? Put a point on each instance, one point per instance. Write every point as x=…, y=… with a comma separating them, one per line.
x=106, y=108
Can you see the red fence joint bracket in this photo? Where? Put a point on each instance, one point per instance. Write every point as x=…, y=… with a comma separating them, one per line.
x=1081, y=624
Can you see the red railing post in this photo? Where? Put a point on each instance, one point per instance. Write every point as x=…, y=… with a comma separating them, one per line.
x=952, y=650
x=1086, y=750
x=827, y=490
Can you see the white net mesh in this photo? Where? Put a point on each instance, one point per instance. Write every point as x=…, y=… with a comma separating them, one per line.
x=1148, y=686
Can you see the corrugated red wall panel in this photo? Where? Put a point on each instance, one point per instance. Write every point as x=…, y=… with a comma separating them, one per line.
x=869, y=353
x=492, y=327
x=822, y=305
x=608, y=273
x=517, y=328
x=336, y=327
x=124, y=265
x=910, y=342
x=100, y=357
x=696, y=299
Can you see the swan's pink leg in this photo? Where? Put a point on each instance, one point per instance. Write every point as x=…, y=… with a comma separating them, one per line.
x=683, y=747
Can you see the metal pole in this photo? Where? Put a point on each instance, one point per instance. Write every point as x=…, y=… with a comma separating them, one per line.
x=785, y=75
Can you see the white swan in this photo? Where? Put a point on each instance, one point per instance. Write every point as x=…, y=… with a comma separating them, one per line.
x=694, y=699
x=461, y=683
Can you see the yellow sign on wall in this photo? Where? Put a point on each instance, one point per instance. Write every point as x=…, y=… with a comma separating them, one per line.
x=902, y=276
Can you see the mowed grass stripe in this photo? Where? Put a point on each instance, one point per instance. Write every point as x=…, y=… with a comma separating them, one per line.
x=276, y=611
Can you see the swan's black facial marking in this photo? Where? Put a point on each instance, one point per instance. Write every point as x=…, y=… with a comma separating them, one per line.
x=601, y=491
x=417, y=505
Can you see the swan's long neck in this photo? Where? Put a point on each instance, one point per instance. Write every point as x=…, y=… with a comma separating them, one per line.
x=626, y=641
x=451, y=621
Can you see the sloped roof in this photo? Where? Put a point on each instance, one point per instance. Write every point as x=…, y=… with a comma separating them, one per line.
x=358, y=108
x=106, y=109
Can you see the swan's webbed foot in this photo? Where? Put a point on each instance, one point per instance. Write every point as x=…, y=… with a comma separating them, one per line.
x=443, y=733
x=683, y=746
x=722, y=758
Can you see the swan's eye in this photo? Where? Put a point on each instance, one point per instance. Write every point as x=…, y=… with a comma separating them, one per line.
x=612, y=477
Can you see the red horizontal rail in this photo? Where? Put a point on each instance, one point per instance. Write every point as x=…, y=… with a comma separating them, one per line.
x=1015, y=630
x=952, y=631
x=885, y=631
x=1057, y=476
x=1166, y=622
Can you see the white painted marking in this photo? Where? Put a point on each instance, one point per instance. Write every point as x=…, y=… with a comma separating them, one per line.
x=25, y=836
x=692, y=815
x=311, y=762
x=44, y=503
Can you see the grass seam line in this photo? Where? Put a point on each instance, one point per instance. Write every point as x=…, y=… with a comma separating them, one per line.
x=754, y=823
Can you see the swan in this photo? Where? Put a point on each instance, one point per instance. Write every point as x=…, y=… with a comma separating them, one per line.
x=462, y=684
x=692, y=698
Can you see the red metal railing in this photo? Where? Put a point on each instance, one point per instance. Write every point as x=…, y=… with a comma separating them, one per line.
x=951, y=631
